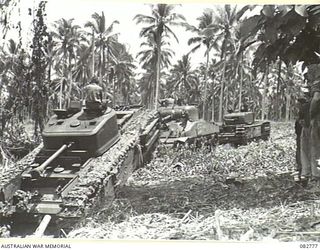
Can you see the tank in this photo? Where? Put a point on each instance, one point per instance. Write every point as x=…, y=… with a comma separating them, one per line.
x=85, y=155
x=239, y=128
x=182, y=125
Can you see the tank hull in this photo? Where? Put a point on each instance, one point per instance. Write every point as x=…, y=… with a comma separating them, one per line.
x=242, y=134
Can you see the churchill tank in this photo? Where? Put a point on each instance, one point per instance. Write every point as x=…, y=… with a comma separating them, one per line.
x=85, y=155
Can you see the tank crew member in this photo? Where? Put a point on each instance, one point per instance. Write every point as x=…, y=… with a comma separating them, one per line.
x=313, y=77
x=93, y=95
x=244, y=106
x=230, y=110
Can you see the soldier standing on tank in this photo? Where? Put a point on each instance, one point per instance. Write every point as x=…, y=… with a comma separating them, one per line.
x=313, y=77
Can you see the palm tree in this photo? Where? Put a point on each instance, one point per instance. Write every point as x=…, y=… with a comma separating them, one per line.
x=226, y=20
x=122, y=72
x=159, y=23
x=148, y=58
x=205, y=36
x=146, y=88
x=67, y=41
x=183, y=78
x=82, y=72
x=15, y=71
x=105, y=40
x=50, y=54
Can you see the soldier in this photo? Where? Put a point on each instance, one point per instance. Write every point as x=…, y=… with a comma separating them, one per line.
x=244, y=106
x=313, y=77
x=93, y=95
x=303, y=146
x=298, y=128
x=2, y=196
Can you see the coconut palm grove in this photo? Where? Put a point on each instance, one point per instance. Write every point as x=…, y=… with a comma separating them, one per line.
x=262, y=56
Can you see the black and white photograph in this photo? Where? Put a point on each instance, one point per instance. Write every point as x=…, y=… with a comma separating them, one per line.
x=175, y=122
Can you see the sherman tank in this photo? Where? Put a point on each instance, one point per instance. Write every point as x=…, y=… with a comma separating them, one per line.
x=239, y=128
x=85, y=155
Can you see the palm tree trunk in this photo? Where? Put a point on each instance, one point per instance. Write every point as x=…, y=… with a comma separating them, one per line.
x=101, y=65
x=104, y=73
x=126, y=94
x=152, y=91
x=92, y=52
x=227, y=94
x=113, y=92
x=156, y=103
x=264, y=96
x=240, y=87
x=278, y=111
x=70, y=78
x=221, y=91
x=212, y=108
x=204, y=113
x=60, y=95
x=49, y=70
x=82, y=87
x=288, y=101
x=61, y=85
x=107, y=70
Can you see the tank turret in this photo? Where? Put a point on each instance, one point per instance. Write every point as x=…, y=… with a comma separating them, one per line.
x=239, y=118
x=177, y=112
x=88, y=131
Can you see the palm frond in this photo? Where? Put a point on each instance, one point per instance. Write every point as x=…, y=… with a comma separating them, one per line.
x=171, y=32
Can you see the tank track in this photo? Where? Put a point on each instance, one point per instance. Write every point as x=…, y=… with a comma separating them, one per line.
x=14, y=171
x=94, y=178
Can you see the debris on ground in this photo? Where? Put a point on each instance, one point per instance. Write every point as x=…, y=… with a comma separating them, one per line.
x=231, y=194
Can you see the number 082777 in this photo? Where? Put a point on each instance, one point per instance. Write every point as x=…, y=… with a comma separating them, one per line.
x=308, y=245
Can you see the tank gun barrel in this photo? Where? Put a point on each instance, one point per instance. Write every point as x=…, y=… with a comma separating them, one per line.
x=166, y=119
x=173, y=114
x=38, y=171
x=42, y=226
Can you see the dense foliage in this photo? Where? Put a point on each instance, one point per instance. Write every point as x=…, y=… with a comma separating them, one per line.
x=248, y=58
